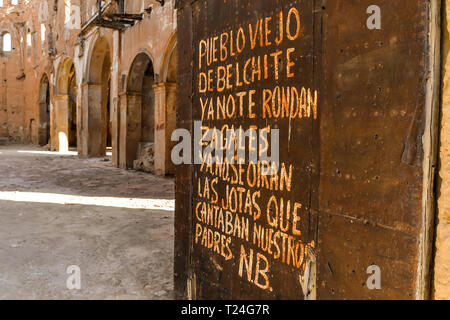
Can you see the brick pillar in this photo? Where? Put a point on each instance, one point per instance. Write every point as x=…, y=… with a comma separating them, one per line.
x=115, y=102
x=60, y=123
x=160, y=128
x=122, y=131
x=171, y=123
x=82, y=122
x=130, y=127
x=93, y=131
x=165, y=123
x=43, y=124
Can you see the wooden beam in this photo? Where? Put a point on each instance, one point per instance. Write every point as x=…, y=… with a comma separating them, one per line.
x=124, y=16
x=110, y=24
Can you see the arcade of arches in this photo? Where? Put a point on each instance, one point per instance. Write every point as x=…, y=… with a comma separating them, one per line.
x=98, y=91
x=149, y=117
x=136, y=126
x=95, y=115
x=64, y=114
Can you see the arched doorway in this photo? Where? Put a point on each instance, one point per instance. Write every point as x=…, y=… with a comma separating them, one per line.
x=64, y=120
x=44, y=112
x=140, y=113
x=98, y=135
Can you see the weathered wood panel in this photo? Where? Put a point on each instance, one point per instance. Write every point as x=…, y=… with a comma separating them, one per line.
x=349, y=104
x=371, y=154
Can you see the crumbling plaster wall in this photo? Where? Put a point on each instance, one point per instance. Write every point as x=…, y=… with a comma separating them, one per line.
x=151, y=35
x=66, y=24
x=154, y=35
x=11, y=69
x=37, y=63
x=52, y=27
x=63, y=21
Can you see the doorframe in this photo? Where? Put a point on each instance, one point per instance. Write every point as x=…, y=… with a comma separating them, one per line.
x=430, y=140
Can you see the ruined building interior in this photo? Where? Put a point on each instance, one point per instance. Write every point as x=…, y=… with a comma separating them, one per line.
x=90, y=95
x=93, y=81
x=67, y=56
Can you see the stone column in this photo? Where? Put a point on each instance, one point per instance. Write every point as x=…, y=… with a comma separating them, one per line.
x=60, y=123
x=79, y=117
x=97, y=141
x=114, y=103
x=165, y=122
x=122, y=130
x=115, y=131
x=82, y=121
x=43, y=124
x=130, y=127
x=171, y=120
x=160, y=128
x=93, y=117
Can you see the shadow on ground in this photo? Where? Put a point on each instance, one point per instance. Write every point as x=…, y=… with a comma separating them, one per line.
x=122, y=253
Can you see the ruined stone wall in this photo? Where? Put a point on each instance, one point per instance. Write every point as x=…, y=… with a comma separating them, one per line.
x=43, y=33
x=52, y=36
x=11, y=74
x=154, y=36
x=442, y=254
x=66, y=53
x=37, y=26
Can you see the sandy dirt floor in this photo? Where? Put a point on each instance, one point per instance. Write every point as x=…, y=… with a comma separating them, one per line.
x=57, y=210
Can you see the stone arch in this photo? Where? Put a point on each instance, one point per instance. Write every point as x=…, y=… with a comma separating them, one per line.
x=169, y=66
x=96, y=98
x=166, y=109
x=139, y=124
x=44, y=111
x=100, y=53
x=64, y=117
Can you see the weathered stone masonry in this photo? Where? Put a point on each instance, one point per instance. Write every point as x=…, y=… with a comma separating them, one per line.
x=75, y=84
